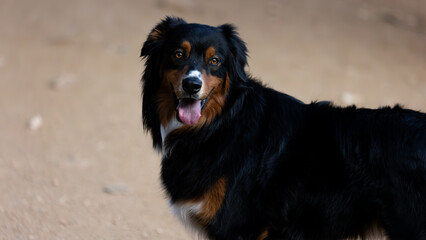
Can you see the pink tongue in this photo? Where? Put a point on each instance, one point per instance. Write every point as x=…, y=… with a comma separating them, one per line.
x=189, y=110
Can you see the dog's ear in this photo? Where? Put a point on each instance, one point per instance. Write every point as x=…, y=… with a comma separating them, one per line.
x=151, y=50
x=157, y=35
x=238, y=50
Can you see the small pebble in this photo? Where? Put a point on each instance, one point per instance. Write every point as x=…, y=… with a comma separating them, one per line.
x=39, y=199
x=76, y=161
x=62, y=81
x=63, y=200
x=117, y=219
x=115, y=188
x=63, y=222
x=55, y=182
x=145, y=235
x=36, y=122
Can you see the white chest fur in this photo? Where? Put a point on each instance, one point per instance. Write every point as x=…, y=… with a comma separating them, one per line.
x=165, y=130
x=186, y=212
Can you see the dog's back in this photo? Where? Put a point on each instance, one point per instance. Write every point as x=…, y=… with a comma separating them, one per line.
x=370, y=164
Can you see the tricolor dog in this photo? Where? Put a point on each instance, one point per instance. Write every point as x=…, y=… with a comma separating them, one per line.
x=243, y=161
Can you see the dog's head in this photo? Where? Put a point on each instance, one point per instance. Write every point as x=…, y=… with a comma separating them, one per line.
x=190, y=69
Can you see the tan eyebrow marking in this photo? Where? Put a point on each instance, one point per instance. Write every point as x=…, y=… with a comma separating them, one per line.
x=187, y=47
x=210, y=52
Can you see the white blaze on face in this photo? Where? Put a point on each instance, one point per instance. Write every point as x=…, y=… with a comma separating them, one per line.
x=194, y=73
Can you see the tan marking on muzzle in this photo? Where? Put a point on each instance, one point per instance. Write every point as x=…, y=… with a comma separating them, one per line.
x=171, y=81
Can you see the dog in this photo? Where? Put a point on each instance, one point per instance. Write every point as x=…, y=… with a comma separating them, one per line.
x=243, y=161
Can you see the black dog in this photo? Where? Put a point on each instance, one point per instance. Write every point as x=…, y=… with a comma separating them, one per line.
x=243, y=161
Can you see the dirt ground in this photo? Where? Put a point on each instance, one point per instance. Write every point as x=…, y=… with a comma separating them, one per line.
x=74, y=160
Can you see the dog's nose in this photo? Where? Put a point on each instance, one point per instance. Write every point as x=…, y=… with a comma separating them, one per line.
x=191, y=85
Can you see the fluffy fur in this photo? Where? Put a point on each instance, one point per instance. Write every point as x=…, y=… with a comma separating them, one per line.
x=260, y=164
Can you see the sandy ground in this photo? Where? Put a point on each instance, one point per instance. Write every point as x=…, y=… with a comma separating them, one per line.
x=74, y=160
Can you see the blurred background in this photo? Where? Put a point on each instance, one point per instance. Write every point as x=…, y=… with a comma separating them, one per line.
x=74, y=160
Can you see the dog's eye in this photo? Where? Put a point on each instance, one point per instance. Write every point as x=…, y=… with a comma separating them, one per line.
x=178, y=54
x=214, y=61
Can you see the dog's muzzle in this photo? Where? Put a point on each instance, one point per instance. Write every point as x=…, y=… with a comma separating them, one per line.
x=191, y=85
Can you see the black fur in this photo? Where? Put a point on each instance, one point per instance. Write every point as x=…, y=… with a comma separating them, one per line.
x=299, y=171
x=153, y=51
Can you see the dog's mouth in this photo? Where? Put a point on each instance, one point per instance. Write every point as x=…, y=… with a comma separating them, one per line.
x=188, y=110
